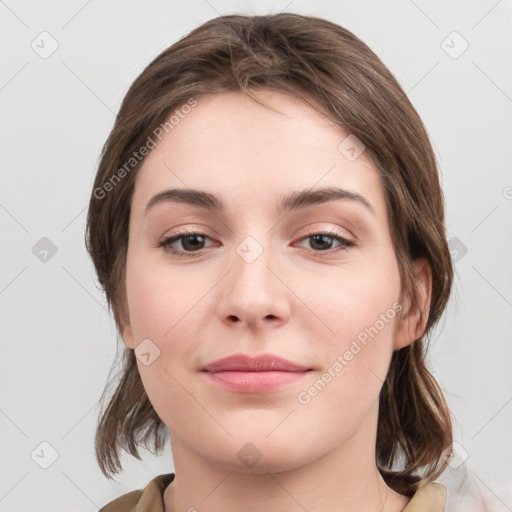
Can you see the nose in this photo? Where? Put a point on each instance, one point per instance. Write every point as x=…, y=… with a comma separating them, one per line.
x=253, y=293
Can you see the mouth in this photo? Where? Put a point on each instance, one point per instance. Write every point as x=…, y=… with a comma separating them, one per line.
x=244, y=374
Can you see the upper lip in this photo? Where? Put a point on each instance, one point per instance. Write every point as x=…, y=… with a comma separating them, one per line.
x=261, y=363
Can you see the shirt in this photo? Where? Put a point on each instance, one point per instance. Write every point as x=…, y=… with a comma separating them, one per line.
x=430, y=498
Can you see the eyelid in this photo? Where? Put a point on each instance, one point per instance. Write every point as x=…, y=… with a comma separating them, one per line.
x=345, y=243
x=337, y=230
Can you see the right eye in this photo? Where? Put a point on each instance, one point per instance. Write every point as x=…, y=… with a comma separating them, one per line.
x=191, y=241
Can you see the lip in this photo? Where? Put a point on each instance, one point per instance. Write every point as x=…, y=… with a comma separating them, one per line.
x=261, y=363
x=245, y=374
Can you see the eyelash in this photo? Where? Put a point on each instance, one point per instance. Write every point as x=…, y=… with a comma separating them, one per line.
x=165, y=244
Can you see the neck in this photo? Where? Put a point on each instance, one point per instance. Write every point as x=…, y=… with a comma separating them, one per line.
x=344, y=479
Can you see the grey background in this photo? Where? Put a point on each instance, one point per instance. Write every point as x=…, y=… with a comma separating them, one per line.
x=58, y=341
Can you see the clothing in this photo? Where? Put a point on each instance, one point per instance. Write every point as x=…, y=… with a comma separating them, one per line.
x=431, y=498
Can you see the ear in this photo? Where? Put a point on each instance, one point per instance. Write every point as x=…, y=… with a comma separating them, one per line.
x=410, y=327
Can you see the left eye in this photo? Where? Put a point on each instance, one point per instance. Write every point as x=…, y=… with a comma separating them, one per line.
x=321, y=239
x=193, y=242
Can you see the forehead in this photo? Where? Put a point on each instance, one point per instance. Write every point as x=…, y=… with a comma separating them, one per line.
x=236, y=148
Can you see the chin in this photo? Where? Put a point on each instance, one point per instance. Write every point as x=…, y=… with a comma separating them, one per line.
x=260, y=456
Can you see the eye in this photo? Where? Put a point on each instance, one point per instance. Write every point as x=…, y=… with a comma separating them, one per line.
x=321, y=241
x=193, y=242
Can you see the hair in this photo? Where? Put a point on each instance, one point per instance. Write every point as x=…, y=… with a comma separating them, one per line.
x=338, y=75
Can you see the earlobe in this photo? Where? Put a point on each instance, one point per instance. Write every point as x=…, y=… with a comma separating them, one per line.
x=414, y=319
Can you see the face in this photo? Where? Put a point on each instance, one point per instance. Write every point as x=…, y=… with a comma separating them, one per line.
x=316, y=284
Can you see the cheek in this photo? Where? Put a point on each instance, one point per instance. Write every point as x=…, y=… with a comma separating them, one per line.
x=161, y=306
x=346, y=304
x=159, y=303
x=165, y=307
x=356, y=317
x=361, y=311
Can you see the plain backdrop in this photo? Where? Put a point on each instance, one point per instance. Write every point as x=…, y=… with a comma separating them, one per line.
x=65, y=68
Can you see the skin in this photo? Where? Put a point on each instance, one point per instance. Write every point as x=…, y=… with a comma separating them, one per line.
x=294, y=300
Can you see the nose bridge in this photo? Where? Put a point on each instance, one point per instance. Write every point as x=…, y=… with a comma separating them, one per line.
x=251, y=292
x=251, y=273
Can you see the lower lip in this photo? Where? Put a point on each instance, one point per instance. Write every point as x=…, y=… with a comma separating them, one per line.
x=253, y=382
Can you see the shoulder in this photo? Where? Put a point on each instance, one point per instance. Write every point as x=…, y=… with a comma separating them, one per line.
x=149, y=499
x=430, y=498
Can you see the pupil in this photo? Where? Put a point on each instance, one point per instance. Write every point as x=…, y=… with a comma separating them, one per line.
x=186, y=241
x=322, y=238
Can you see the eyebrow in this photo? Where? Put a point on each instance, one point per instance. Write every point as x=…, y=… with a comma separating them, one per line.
x=295, y=201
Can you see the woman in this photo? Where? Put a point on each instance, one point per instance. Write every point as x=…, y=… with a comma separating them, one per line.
x=268, y=225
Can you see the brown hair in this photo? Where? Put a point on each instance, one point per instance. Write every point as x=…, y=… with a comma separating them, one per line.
x=338, y=75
